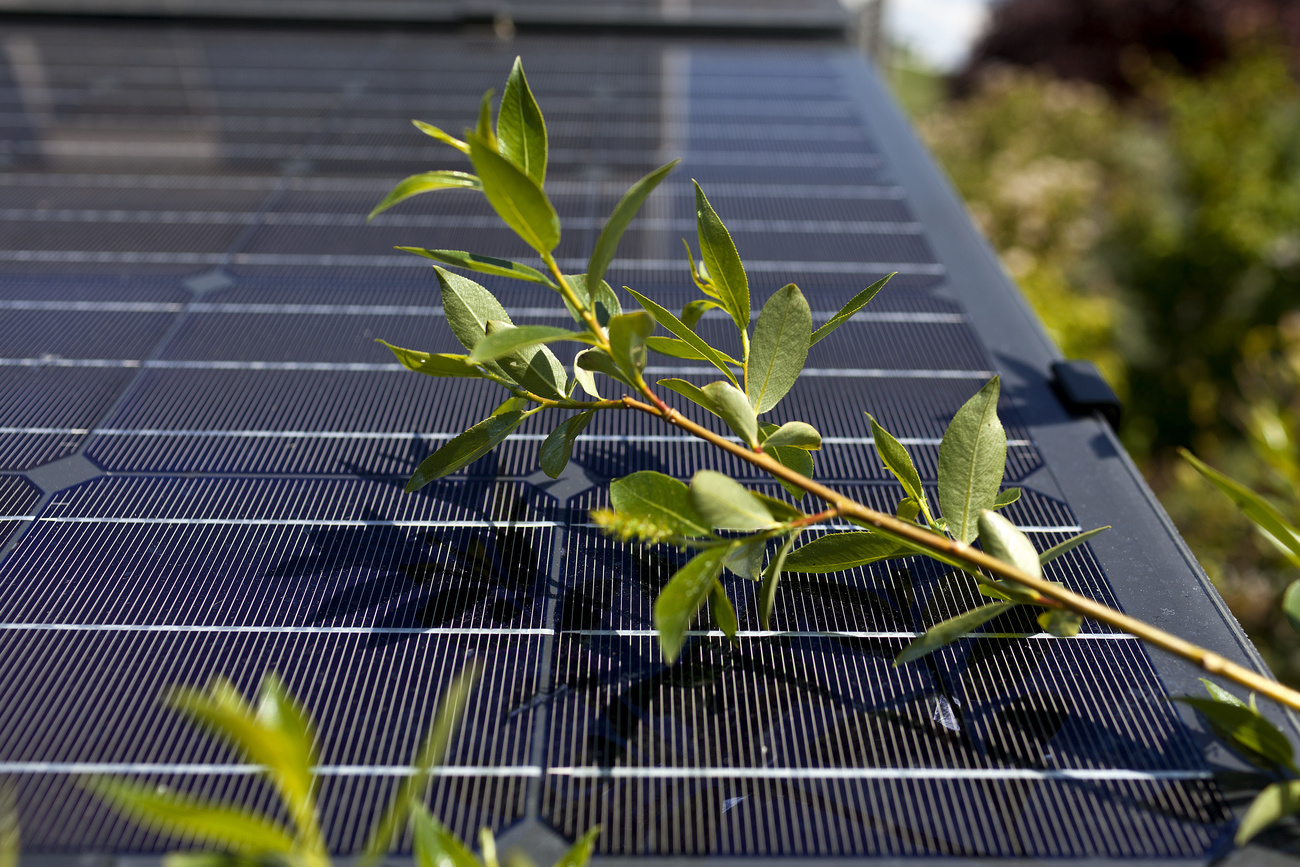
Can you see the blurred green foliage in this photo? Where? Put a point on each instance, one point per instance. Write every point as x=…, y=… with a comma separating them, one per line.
x=1037, y=161
x=1160, y=237
x=1206, y=243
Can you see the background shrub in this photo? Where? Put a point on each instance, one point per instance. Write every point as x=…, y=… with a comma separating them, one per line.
x=1154, y=224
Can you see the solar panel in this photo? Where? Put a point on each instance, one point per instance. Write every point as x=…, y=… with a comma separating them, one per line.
x=826, y=16
x=202, y=455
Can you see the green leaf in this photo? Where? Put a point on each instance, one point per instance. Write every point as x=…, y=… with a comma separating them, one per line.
x=516, y=197
x=1006, y=498
x=584, y=377
x=531, y=365
x=594, y=360
x=1276, y=801
x=779, y=348
x=694, y=310
x=603, y=253
x=511, y=338
x=511, y=404
x=464, y=449
x=605, y=304
x=771, y=579
x=468, y=307
x=1000, y=538
x=217, y=859
x=706, y=352
x=276, y=734
x=690, y=391
x=907, y=509
x=994, y=591
x=799, y=460
x=726, y=273
x=487, y=844
x=793, y=434
x=1264, y=515
x=682, y=597
x=10, y=834
x=972, y=458
x=950, y=630
x=1246, y=728
x=434, y=363
x=896, y=459
x=483, y=264
x=724, y=616
x=730, y=405
x=746, y=559
x=426, y=183
x=447, y=717
x=235, y=828
x=483, y=129
x=434, y=845
x=701, y=282
x=780, y=509
x=846, y=312
x=1015, y=593
x=521, y=130
x=792, y=457
x=836, y=552
x=558, y=445
x=674, y=348
x=431, y=130
x=627, y=336
x=516, y=857
x=1068, y=545
x=659, y=499
x=1218, y=693
x=906, y=550
x=1061, y=623
x=1291, y=604
x=723, y=503
x=899, y=462
x=580, y=853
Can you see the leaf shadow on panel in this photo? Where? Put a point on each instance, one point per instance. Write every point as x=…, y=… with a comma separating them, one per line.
x=983, y=703
x=405, y=462
x=612, y=460
x=399, y=580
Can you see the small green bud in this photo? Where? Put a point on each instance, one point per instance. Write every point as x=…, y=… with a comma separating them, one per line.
x=908, y=509
x=1062, y=624
x=627, y=527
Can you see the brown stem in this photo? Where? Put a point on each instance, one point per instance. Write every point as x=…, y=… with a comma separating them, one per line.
x=586, y=404
x=809, y=520
x=919, y=537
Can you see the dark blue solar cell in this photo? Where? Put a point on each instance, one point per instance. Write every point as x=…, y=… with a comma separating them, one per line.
x=94, y=696
x=105, y=335
x=17, y=497
x=50, y=409
x=329, y=554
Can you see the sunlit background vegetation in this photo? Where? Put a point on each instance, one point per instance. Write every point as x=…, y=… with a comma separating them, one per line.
x=1136, y=165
